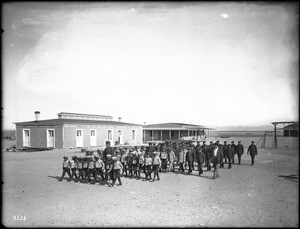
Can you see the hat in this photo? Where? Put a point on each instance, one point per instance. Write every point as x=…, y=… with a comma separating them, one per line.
x=65, y=157
x=239, y=141
x=107, y=142
x=154, y=153
x=252, y=141
x=225, y=141
x=130, y=150
x=232, y=141
x=114, y=158
x=96, y=156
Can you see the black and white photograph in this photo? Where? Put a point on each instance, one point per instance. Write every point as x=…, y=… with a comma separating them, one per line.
x=150, y=114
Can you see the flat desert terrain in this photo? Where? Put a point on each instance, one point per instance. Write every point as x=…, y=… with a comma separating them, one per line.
x=263, y=195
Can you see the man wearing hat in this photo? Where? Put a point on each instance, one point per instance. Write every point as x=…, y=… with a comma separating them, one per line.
x=225, y=151
x=66, y=168
x=239, y=151
x=190, y=158
x=230, y=155
x=200, y=157
x=107, y=150
x=253, y=151
x=234, y=150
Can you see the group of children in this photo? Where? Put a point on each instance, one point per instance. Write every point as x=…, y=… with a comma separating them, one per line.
x=112, y=163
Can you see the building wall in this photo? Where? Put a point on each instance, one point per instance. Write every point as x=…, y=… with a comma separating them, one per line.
x=38, y=136
x=101, y=134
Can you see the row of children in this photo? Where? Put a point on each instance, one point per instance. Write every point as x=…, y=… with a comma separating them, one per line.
x=155, y=158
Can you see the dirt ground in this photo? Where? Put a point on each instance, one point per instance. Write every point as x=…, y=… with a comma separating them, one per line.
x=263, y=195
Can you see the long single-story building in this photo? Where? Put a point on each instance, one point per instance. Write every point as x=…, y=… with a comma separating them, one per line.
x=72, y=130
x=176, y=131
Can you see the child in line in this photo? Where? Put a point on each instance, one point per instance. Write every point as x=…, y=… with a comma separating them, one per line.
x=156, y=165
x=73, y=163
x=91, y=169
x=117, y=167
x=66, y=168
x=148, y=163
x=85, y=166
x=141, y=164
x=99, y=167
x=79, y=167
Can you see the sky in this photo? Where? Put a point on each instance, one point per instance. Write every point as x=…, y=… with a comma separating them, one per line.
x=205, y=63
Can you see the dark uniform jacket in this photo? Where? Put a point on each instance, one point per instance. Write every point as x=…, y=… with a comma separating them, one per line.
x=190, y=155
x=252, y=149
x=108, y=150
x=233, y=146
x=200, y=156
x=225, y=150
x=240, y=149
x=230, y=152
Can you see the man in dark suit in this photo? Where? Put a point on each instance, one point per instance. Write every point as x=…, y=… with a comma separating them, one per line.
x=108, y=150
x=190, y=158
x=230, y=155
x=253, y=151
x=239, y=151
x=200, y=157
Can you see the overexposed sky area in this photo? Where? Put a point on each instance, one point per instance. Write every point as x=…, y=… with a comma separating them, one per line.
x=225, y=63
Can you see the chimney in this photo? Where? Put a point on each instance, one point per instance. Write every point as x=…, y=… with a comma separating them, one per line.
x=37, y=115
x=119, y=119
x=144, y=123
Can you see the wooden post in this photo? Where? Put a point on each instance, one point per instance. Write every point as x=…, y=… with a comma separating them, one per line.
x=161, y=135
x=274, y=136
x=178, y=134
x=169, y=134
x=152, y=135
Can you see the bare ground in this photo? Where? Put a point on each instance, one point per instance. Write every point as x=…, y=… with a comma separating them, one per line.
x=263, y=195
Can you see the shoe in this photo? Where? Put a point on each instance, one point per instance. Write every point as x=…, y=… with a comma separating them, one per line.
x=158, y=179
x=119, y=184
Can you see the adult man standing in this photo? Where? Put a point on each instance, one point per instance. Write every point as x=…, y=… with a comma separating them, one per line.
x=253, y=151
x=200, y=157
x=233, y=146
x=225, y=151
x=239, y=151
x=230, y=156
x=172, y=159
x=190, y=158
x=108, y=150
x=216, y=161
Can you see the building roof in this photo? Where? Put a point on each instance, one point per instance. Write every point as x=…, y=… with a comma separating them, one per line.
x=174, y=126
x=60, y=122
x=68, y=113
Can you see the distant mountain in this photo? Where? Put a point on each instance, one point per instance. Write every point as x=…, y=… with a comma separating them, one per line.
x=245, y=128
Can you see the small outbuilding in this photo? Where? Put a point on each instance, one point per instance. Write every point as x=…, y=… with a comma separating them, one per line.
x=291, y=130
x=71, y=130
